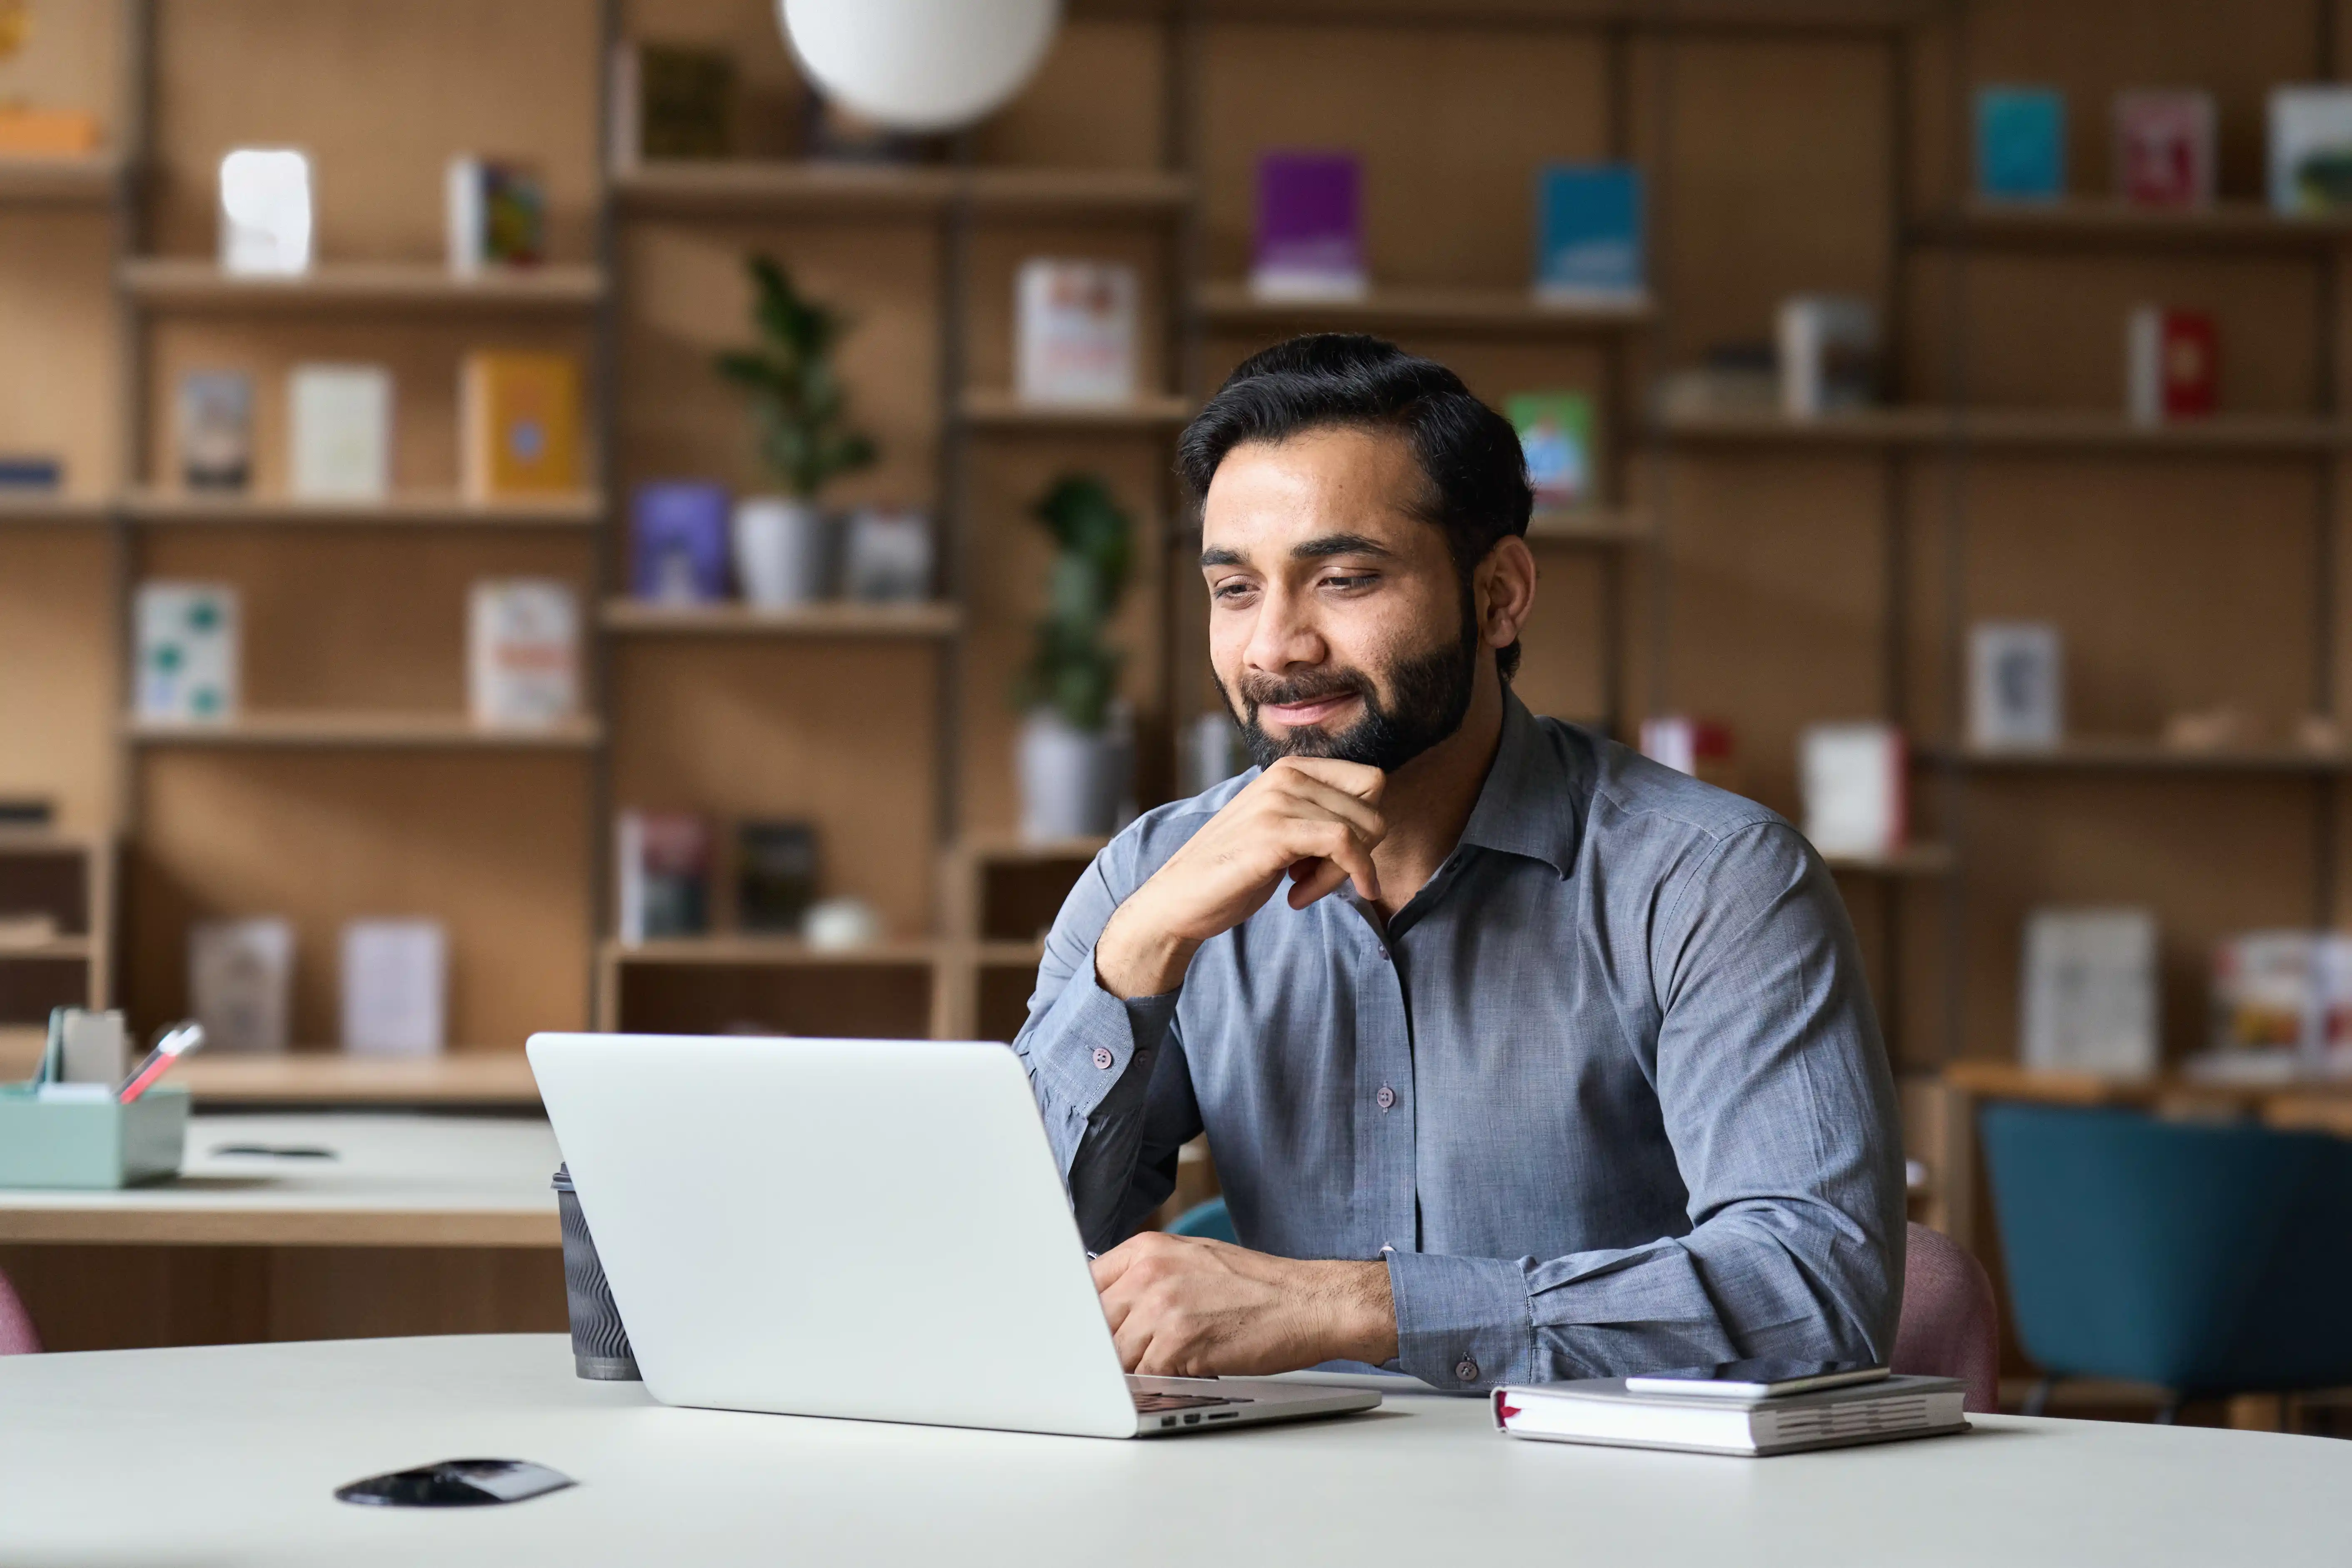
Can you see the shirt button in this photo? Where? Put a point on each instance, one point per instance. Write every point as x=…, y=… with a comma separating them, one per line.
x=1386, y=1098
x=1384, y=954
x=1103, y=1058
x=1465, y=1370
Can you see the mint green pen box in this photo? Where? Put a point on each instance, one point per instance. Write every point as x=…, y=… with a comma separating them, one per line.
x=91, y=1142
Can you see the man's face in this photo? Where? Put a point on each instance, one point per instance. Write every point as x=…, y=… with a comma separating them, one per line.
x=1337, y=625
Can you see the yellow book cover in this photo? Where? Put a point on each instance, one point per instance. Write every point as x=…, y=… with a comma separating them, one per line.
x=521, y=418
x=47, y=132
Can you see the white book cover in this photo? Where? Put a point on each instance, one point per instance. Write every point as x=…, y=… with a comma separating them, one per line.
x=2089, y=992
x=396, y=988
x=523, y=652
x=1829, y=354
x=1077, y=325
x=467, y=213
x=241, y=983
x=187, y=652
x=2017, y=688
x=265, y=212
x=2311, y=148
x=1853, y=780
x=340, y=444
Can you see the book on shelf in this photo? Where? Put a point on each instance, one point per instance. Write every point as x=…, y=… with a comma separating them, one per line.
x=2164, y=148
x=214, y=429
x=1854, y=781
x=2171, y=364
x=30, y=471
x=2282, y=1007
x=187, y=652
x=2311, y=149
x=1588, y=238
x=2017, y=686
x=886, y=556
x=29, y=132
x=497, y=214
x=522, y=654
x=677, y=543
x=2088, y=992
x=1556, y=439
x=396, y=988
x=1077, y=326
x=265, y=212
x=671, y=100
x=339, y=432
x=1732, y=378
x=1699, y=747
x=241, y=983
x=520, y=419
x=1606, y=1411
x=662, y=860
x=775, y=875
x=2020, y=136
x=1828, y=354
x=1310, y=231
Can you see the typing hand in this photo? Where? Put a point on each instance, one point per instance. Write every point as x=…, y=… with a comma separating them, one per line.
x=1180, y=1306
x=1311, y=819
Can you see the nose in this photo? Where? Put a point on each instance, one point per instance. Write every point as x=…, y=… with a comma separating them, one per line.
x=1285, y=634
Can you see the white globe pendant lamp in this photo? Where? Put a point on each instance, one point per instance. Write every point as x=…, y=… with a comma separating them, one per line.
x=919, y=65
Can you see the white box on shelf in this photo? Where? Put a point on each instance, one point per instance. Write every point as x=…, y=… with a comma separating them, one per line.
x=1078, y=326
x=523, y=652
x=265, y=212
x=2017, y=689
x=887, y=556
x=241, y=982
x=340, y=441
x=187, y=652
x=1829, y=354
x=396, y=988
x=1854, y=781
x=2089, y=992
x=2311, y=148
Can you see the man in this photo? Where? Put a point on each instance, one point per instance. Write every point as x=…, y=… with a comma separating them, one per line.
x=1546, y=1062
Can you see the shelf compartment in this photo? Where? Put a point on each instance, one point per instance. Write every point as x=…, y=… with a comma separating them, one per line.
x=162, y=508
x=2130, y=754
x=1003, y=892
x=1595, y=526
x=713, y=985
x=88, y=179
x=637, y=617
x=993, y=409
x=190, y=284
x=2014, y=430
x=360, y=730
x=1460, y=310
x=722, y=187
x=2114, y=224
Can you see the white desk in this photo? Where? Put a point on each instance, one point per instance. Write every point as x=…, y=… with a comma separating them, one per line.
x=243, y=1445
x=395, y=1181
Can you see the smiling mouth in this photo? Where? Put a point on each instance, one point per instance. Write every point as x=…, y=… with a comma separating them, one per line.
x=1296, y=715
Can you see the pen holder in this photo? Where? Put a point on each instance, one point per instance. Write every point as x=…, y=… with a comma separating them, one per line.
x=92, y=1140
x=600, y=1344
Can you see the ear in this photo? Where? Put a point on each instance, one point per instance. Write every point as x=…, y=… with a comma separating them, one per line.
x=1505, y=582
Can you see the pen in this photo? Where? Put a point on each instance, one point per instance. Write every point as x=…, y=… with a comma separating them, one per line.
x=176, y=1042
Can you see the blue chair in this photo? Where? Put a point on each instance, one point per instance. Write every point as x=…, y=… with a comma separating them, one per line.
x=1212, y=1219
x=2206, y=1260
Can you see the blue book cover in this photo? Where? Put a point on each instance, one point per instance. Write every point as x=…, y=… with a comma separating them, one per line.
x=1589, y=231
x=2020, y=144
x=678, y=540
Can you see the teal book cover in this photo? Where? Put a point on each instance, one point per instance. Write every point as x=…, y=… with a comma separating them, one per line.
x=2020, y=144
x=1589, y=231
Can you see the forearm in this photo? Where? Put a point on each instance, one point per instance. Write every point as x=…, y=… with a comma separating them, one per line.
x=1138, y=955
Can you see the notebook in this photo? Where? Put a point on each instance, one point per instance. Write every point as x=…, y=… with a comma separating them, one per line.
x=1602, y=1410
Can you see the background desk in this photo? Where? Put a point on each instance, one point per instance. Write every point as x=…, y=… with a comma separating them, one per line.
x=420, y=1225
x=259, y=1435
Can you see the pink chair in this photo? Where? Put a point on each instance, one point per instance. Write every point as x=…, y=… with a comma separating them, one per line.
x=1949, y=1327
x=16, y=1335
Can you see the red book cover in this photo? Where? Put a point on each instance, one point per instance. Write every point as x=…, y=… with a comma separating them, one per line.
x=2190, y=358
x=2164, y=148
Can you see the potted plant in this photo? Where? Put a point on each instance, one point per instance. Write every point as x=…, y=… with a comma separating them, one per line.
x=1075, y=749
x=800, y=411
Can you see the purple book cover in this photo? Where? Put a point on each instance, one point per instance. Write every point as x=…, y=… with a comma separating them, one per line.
x=1309, y=223
x=678, y=542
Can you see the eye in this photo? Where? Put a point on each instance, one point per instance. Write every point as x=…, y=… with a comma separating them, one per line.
x=1232, y=590
x=1347, y=583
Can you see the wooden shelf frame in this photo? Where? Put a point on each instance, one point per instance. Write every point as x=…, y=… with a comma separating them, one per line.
x=996, y=409
x=90, y=179
x=2117, y=754
x=1920, y=860
x=834, y=618
x=360, y=730
x=165, y=508
x=25, y=507
x=190, y=283
x=808, y=188
x=2021, y=431
x=1460, y=311
x=2235, y=226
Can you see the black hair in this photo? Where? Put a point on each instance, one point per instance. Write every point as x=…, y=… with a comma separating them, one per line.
x=1478, y=476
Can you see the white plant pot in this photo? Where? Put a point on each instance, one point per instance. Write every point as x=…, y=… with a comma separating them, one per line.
x=780, y=551
x=1072, y=781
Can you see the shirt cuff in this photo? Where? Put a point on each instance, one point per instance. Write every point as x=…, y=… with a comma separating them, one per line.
x=1095, y=1037
x=1464, y=1324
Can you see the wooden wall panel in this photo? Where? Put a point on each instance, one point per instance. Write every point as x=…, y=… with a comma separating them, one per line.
x=1098, y=103
x=56, y=342
x=380, y=97
x=69, y=61
x=60, y=674
x=494, y=845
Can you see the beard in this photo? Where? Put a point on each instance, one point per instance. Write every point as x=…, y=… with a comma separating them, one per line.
x=1429, y=697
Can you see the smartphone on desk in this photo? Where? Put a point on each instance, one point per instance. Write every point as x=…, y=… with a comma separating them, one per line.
x=455, y=1483
x=1756, y=1379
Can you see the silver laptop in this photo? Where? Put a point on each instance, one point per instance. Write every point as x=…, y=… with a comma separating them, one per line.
x=856, y=1227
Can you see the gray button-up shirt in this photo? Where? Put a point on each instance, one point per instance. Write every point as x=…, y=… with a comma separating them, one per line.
x=1607, y=1094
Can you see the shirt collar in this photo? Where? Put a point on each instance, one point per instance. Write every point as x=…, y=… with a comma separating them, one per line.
x=1528, y=805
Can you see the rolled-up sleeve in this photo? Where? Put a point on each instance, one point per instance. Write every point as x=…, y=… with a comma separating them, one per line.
x=1777, y=1100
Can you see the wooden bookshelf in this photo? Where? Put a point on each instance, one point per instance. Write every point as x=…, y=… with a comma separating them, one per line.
x=815, y=188
x=1466, y=311
x=89, y=180
x=2094, y=225
x=2055, y=431
x=834, y=618
x=1912, y=860
x=493, y=1078
x=772, y=952
x=360, y=730
x=1595, y=526
x=2129, y=754
x=1005, y=411
x=164, y=508
x=187, y=284
x=36, y=508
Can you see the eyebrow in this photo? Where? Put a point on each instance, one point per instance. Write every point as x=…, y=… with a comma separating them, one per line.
x=1315, y=549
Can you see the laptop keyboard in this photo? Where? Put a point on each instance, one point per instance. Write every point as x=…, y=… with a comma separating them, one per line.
x=1153, y=1404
